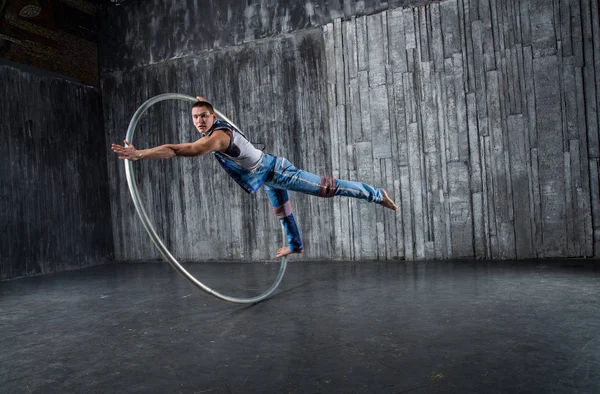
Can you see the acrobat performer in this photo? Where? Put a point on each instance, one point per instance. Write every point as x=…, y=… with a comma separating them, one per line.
x=251, y=168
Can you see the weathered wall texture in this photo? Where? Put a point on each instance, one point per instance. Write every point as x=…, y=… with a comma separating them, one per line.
x=142, y=32
x=55, y=210
x=480, y=117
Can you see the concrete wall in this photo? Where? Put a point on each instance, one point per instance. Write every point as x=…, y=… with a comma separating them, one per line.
x=483, y=115
x=53, y=182
x=138, y=33
x=480, y=117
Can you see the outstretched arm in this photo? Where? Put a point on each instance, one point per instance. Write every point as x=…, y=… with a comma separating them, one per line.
x=217, y=142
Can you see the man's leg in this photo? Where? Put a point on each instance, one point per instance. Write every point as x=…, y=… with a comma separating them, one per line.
x=282, y=208
x=287, y=176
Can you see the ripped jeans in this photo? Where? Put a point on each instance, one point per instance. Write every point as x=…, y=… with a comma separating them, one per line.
x=285, y=176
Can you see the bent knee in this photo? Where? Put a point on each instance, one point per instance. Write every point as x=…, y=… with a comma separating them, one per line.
x=284, y=210
x=328, y=187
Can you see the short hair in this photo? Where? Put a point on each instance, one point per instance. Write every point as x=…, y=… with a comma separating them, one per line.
x=204, y=104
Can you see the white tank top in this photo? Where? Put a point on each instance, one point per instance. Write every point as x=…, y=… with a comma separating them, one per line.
x=240, y=150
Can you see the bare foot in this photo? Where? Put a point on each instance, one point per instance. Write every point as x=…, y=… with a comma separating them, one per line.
x=387, y=201
x=284, y=251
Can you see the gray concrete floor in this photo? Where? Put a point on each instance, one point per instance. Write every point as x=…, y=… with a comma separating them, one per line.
x=372, y=327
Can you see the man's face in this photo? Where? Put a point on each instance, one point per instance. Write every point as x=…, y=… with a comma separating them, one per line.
x=203, y=119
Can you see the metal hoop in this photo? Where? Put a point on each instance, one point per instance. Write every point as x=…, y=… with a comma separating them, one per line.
x=148, y=225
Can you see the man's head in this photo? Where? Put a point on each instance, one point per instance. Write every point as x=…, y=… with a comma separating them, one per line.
x=203, y=116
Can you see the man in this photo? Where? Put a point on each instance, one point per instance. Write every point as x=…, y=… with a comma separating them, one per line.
x=251, y=168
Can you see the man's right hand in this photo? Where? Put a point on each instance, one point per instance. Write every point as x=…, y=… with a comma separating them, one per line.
x=126, y=152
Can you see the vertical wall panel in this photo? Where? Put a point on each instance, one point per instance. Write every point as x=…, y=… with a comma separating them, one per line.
x=340, y=142
x=436, y=37
x=450, y=27
x=397, y=41
x=333, y=131
x=585, y=200
x=543, y=32
x=551, y=161
x=460, y=211
x=520, y=186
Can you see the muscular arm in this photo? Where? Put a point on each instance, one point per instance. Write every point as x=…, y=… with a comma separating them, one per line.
x=217, y=142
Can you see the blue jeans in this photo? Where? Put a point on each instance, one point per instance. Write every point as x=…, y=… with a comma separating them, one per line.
x=285, y=176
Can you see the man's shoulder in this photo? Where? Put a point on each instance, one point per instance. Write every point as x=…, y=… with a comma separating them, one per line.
x=221, y=124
